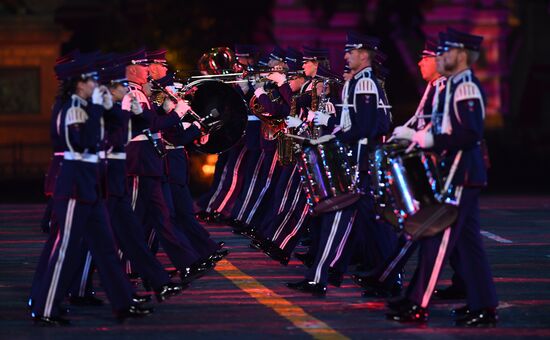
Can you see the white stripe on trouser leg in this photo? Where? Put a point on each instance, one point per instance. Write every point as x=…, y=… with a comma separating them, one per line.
x=135, y=189
x=60, y=258
x=264, y=190
x=54, y=247
x=287, y=189
x=85, y=273
x=344, y=239
x=233, y=180
x=305, y=212
x=328, y=245
x=251, y=186
x=395, y=261
x=218, y=189
x=152, y=235
x=287, y=216
x=436, y=269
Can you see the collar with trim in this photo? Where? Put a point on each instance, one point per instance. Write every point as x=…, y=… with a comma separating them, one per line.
x=362, y=72
x=460, y=76
x=80, y=100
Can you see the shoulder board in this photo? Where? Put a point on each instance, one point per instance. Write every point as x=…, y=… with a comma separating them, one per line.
x=75, y=115
x=366, y=86
x=329, y=107
x=467, y=90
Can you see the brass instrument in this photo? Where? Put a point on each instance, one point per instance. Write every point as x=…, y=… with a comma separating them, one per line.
x=286, y=146
x=271, y=127
x=319, y=103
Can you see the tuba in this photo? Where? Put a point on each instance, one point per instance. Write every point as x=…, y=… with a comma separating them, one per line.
x=271, y=127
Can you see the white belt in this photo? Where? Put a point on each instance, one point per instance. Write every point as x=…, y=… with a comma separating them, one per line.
x=363, y=141
x=172, y=147
x=252, y=118
x=84, y=157
x=59, y=153
x=101, y=154
x=116, y=155
x=143, y=137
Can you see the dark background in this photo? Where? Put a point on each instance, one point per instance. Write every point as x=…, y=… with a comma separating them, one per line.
x=519, y=148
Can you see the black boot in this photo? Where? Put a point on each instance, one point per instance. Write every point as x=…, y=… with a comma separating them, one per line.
x=409, y=313
x=316, y=289
x=486, y=317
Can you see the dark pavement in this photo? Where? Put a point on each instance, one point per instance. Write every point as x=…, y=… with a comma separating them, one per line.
x=245, y=296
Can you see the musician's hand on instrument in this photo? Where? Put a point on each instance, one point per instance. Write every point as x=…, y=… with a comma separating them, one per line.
x=168, y=105
x=181, y=108
x=259, y=91
x=97, y=96
x=135, y=107
x=277, y=77
x=321, y=118
x=424, y=138
x=293, y=122
x=107, y=100
x=403, y=132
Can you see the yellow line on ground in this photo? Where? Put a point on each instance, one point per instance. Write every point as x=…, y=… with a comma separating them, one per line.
x=314, y=327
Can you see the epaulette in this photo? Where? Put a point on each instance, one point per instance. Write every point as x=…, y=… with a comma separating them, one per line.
x=467, y=90
x=329, y=107
x=75, y=115
x=366, y=86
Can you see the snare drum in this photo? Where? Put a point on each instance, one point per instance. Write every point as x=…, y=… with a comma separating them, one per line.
x=329, y=180
x=411, y=191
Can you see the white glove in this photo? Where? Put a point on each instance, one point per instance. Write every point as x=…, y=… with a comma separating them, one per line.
x=293, y=122
x=423, y=138
x=277, y=77
x=259, y=91
x=168, y=105
x=310, y=116
x=181, y=108
x=107, y=100
x=321, y=118
x=97, y=96
x=135, y=107
x=403, y=132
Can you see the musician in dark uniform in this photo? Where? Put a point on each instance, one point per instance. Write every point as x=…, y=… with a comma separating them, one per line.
x=268, y=227
x=250, y=208
x=384, y=279
x=293, y=216
x=145, y=169
x=79, y=207
x=127, y=228
x=362, y=123
x=53, y=169
x=458, y=140
x=175, y=179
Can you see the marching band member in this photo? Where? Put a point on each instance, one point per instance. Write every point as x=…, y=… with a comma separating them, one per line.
x=361, y=122
x=458, y=140
x=78, y=206
x=145, y=170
